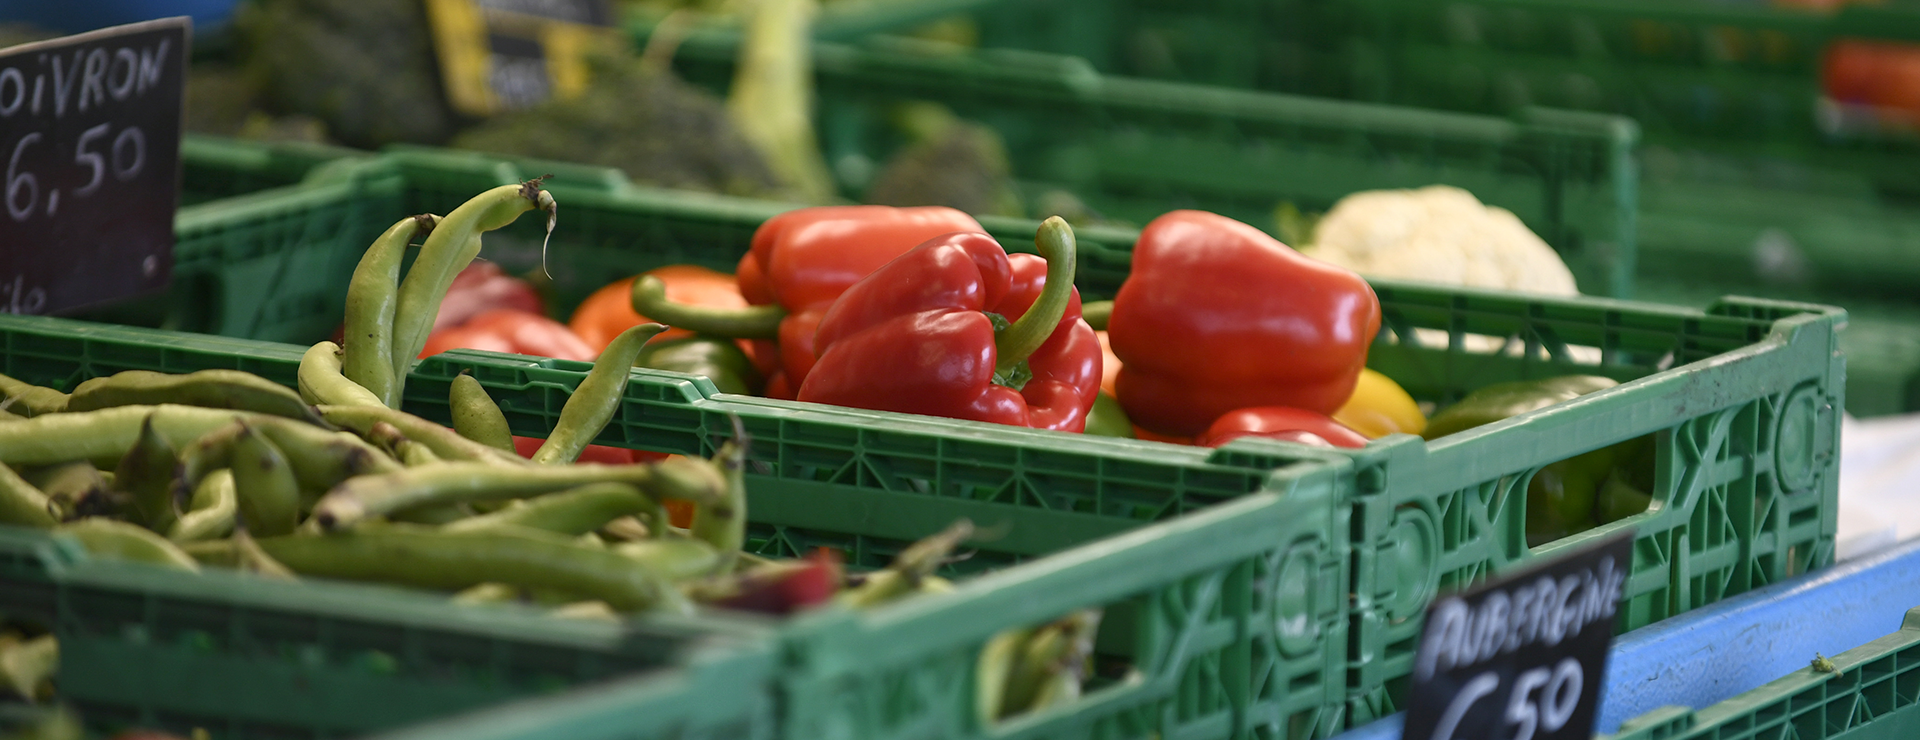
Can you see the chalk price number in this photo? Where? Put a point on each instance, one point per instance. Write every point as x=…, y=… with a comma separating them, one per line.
x=1540, y=700
x=100, y=152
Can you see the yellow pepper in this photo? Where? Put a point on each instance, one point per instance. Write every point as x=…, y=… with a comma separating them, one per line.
x=1379, y=407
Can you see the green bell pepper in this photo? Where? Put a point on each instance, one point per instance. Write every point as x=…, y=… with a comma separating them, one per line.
x=1107, y=419
x=1572, y=495
x=719, y=359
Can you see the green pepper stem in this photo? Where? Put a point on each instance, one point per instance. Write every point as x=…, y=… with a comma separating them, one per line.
x=753, y=322
x=1097, y=313
x=1014, y=344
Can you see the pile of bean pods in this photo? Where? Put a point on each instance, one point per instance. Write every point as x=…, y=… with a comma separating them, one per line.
x=222, y=468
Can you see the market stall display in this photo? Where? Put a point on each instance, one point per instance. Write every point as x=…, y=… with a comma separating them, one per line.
x=909, y=389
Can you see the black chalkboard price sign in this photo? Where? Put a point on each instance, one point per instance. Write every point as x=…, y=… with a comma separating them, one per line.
x=1521, y=657
x=90, y=145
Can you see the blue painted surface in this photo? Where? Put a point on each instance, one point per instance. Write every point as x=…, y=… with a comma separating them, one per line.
x=1720, y=651
x=76, y=16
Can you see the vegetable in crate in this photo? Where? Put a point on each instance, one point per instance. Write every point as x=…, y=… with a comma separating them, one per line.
x=481, y=287
x=958, y=328
x=1218, y=316
x=1281, y=423
x=734, y=365
x=645, y=122
x=512, y=331
x=800, y=262
x=1572, y=495
x=1438, y=234
x=950, y=162
x=1379, y=407
x=366, y=70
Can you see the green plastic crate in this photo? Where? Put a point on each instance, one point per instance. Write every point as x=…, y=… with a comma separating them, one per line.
x=1881, y=341
x=1735, y=77
x=1873, y=695
x=213, y=167
x=1134, y=149
x=246, y=657
x=1747, y=430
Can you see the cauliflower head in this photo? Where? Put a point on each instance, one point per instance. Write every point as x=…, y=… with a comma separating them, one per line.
x=1438, y=234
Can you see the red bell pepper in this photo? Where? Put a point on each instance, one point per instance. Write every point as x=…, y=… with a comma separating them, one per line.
x=511, y=330
x=800, y=262
x=482, y=287
x=1218, y=316
x=785, y=587
x=1282, y=423
x=920, y=336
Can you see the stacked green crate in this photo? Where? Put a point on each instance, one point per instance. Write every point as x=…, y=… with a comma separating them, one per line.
x=1747, y=182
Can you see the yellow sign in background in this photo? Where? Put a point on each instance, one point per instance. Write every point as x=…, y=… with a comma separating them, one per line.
x=493, y=60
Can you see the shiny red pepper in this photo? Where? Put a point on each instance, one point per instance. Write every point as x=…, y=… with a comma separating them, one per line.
x=919, y=336
x=804, y=259
x=1282, y=423
x=800, y=262
x=481, y=287
x=1217, y=315
x=511, y=330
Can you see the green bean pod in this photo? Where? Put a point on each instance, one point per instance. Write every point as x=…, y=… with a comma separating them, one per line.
x=372, y=296
x=676, y=560
x=250, y=558
x=107, y=538
x=578, y=511
x=76, y=489
x=592, y=404
x=322, y=384
x=453, y=561
x=31, y=399
x=29, y=668
x=454, y=242
x=1061, y=647
x=6, y=416
x=993, y=667
x=104, y=436
x=268, y=496
x=434, y=515
x=445, y=443
x=21, y=503
x=488, y=593
x=724, y=525
x=211, y=513
x=597, y=610
x=357, y=498
x=146, y=473
x=321, y=459
x=214, y=389
x=414, y=454
x=911, y=571
x=477, y=417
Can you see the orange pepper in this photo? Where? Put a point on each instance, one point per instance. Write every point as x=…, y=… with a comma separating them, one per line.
x=609, y=311
x=1109, y=363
